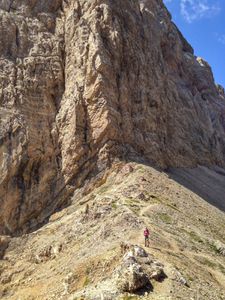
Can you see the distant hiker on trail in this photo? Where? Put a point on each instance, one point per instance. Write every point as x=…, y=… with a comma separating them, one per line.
x=146, y=235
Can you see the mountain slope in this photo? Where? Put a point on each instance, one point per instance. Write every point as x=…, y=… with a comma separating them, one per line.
x=108, y=123
x=208, y=183
x=78, y=252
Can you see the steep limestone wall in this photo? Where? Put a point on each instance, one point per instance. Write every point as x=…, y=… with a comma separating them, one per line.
x=31, y=88
x=86, y=82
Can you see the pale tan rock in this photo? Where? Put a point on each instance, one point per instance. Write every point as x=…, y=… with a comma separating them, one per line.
x=85, y=83
x=220, y=247
x=4, y=242
x=137, y=269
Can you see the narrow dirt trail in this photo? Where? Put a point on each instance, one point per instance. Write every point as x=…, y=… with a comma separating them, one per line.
x=166, y=236
x=160, y=251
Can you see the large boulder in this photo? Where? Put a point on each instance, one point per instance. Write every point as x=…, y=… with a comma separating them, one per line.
x=131, y=278
x=220, y=247
x=137, y=269
x=4, y=242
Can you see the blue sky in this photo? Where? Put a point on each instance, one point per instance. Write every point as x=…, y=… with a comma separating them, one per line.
x=202, y=23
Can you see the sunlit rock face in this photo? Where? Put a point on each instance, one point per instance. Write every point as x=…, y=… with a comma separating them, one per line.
x=85, y=83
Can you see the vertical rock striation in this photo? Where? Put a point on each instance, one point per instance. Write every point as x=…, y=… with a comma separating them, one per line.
x=86, y=82
x=31, y=88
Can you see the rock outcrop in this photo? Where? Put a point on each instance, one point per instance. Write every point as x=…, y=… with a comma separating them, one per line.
x=4, y=242
x=220, y=247
x=136, y=271
x=84, y=83
x=77, y=254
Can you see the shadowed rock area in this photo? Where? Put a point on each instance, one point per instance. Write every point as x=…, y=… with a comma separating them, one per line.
x=208, y=183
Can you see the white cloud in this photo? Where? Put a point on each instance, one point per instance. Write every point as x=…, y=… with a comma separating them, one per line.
x=192, y=10
x=221, y=38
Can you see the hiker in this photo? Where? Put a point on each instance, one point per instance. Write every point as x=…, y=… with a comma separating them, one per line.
x=146, y=235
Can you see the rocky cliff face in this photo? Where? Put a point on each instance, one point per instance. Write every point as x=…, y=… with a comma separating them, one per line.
x=84, y=83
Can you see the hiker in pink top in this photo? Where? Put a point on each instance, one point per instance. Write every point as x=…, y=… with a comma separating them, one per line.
x=146, y=235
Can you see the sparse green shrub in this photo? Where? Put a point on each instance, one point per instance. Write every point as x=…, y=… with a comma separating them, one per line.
x=207, y=262
x=213, y=247
x=192, y=235
x=103, y=189
x=165, y=218
x=221, y=268
x=189, y=277
x=195, y=237
x=86, y=281
x=88, y=270
x=114, y=205
x=133, y=205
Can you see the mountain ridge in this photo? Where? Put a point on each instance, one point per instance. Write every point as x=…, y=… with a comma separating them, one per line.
x=85, y=83
x=108, y=123
x=77, y=254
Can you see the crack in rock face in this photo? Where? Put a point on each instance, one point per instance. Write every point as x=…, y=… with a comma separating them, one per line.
x=85, y=83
